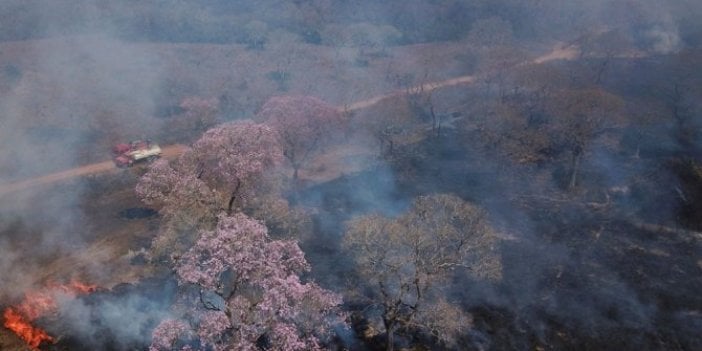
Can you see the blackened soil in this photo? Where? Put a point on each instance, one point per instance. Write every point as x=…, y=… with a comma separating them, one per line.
x=576, y=276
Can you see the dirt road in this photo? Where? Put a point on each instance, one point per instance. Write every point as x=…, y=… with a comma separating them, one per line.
x=559, y=53
x=171, y=151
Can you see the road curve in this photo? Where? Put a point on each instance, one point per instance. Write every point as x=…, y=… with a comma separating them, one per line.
x=172, y=151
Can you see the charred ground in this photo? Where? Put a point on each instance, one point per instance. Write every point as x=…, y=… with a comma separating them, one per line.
x=598, y=222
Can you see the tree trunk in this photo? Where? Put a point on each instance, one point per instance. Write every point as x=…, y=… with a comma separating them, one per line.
x=230, y=205
x=389, y=330
x=232, y=198
x=575, y=167
x=435, y=123
x=600, y=71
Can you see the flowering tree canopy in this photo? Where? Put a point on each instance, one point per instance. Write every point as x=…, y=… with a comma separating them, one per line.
x=226, y=166
x=167, y=334
x=199, y=113
x=224, y=160
x=304, y=124
x=266, y=299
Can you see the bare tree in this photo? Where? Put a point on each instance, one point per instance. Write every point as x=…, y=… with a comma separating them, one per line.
x=407, y=262
x=681, y=95
x=495, y=64
x=601, y=47
x=541, y=126
x=580, y=117
x=389, y=122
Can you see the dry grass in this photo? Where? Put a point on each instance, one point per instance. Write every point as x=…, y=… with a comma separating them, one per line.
x=204, y=70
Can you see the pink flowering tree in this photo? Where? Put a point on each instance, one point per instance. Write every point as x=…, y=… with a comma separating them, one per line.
x=225, y=162
x=266, y=299
x=168, y=333
x=233, y=158
x=199, y=104
x=228, y=166
x=304, y=125
x=199, y=113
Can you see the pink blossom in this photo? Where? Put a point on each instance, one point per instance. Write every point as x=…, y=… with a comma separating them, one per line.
x=270, y=299
x=227, y=159
x=304, y=124
x=213, y=324
x=167, y=333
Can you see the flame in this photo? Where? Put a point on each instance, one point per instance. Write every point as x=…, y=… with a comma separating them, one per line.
x=24, y=329
x=72, y=289
x=37, y=304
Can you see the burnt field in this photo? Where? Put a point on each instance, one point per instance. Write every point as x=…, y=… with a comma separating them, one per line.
x=580, y=272
x=452, y=175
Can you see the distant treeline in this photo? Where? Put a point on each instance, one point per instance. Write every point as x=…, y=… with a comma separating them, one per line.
x=247, y=21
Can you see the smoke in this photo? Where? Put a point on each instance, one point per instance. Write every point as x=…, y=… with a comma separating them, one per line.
x=78, y=76
x=120, y=319
x=66, y=94
x=664, y=40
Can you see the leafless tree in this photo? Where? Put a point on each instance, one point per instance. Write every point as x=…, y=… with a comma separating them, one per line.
x=601, y=47
x=580, y=117
x=408, y=261
x=545, y=124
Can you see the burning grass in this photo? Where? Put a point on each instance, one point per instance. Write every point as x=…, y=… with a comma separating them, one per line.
x=20, y=318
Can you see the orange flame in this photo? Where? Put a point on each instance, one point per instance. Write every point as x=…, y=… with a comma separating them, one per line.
x=24, y=329
x=36, y=304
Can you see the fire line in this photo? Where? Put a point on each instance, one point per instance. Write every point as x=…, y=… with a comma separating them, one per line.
x=38, y=304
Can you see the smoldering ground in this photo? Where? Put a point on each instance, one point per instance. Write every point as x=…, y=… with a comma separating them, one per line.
x=566, y=269
x=121, y=318
x=97, y=81
x=584, y=266
x=63, y=101
x=72, y=95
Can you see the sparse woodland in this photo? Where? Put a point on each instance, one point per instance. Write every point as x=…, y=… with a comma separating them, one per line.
x=430, y=175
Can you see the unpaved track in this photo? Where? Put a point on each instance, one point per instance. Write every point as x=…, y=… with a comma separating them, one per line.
x=172, y=151
x=559, y=53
